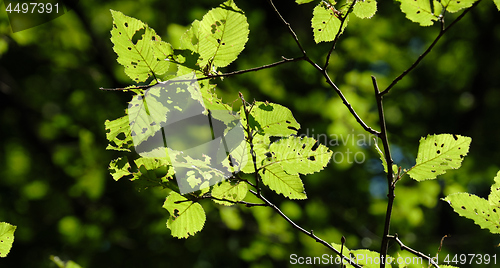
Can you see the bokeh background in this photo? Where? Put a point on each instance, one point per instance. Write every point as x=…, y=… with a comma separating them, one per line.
x=54, y=183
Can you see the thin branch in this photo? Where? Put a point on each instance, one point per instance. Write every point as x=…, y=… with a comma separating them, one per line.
x=247, y=204
x=308, y=233
x=342, y=21
x=349, y=106
x=414, y=252
x=284, y=60
x=421, y=57
x=289, y=27
x=390, y=176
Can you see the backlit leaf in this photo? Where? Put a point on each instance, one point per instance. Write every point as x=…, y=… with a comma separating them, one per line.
x=456, y=5
x=300, y=155
x=186, y=218
x=365, y=9
x=421, y=11
x=229, y=191
x=437, y=154
x=485, y=213
x=325, y=23
x=144, y=58
x=119, y=168
x=290, y=185
x=303, y=1
x=6, y=238
x=219, y=37
x=271, y=119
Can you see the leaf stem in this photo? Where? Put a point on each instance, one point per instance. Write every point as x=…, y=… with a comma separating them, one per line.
x=421, y=57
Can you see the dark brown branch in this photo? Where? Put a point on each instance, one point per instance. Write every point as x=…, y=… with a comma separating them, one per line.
x=414, y=252
x=421, y=57
x=342, y=21
x=292, y=32
x=390, y=176
x=284, y=60
x=308, y=233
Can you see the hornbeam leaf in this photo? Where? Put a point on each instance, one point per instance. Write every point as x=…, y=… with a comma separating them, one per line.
x=290, y=185
x=325, y=23
x=438, y=153
x=485, y=213
x=421, y=11
x=497, y=3
x=271, y=119
x=6, y=238
x=300, y=155
x=118, y=134
x=229, y=191
x=219, y=37
x=142, y=59
x=365, y=9
x=186, y=218
x=456, y=5
x=119, y=168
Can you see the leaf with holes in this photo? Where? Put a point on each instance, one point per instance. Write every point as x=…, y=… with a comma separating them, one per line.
x=424, y=12
x=186, y=217
x=456, y=5
x=485, y=213
x=326, y=22
x=118, y=134
x=144, y=58
x=219, y=37
x=229, y=191
x=365, y=9
x=271, y=119
x=299, y=155
x=6, y=238
x=119, y=168
x=438, y=153
x=290, y=185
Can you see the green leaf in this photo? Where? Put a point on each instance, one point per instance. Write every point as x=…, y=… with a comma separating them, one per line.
x=437, y=154
x=6, y=238
x=303, y=1
x=142, y=59
x=271, y=119
x=119, y=168
x=186, y=218
x=365, y=9
x=261, y=148
x=497, y=3
x=219, y=37
x=290, y=185
x=456, y=5
x=325, y=23
x=299, y=155
x=421, y=11
x=382, y=156
x=229, y=191
x=153, y=172
x=118, y=134
x=485, y=213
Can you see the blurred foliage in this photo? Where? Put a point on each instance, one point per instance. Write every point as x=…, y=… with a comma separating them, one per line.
x=55, y=186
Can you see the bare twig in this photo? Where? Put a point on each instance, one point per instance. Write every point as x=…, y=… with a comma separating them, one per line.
x=342, y=21
x=421, y=57
x=292, y=32
x=414, y=252
x=198, y=198
x=390, y=176
x=308, y=233
x=284, y=60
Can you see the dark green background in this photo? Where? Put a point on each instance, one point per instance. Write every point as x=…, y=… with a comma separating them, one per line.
x=54, y=183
